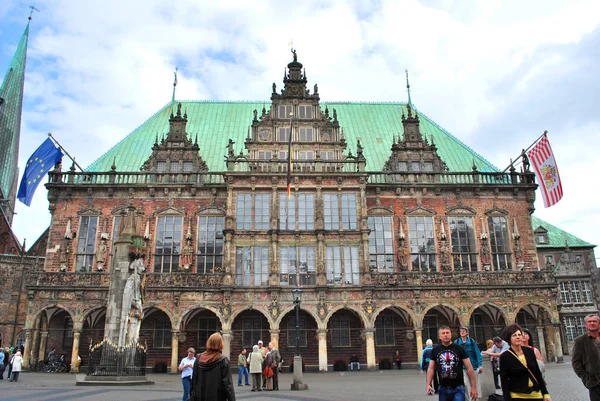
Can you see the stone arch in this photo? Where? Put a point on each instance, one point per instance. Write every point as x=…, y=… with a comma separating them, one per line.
x=485, y=321
x=530, y=307
x=410, y=313
x=394, y=331
x=346, y=328
x=46, y=308
x=59, y=325
x=357, y=311
x=437, y=315
x=263, y=311
x=93, y=323
x=247, y=327
x=192, y=309
x=308, y=329
x=288, y=309
x=151, y=308
x=539, y=320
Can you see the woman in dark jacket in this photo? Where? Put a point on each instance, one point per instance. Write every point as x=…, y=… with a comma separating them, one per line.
x=519, y=372
x=211, y=380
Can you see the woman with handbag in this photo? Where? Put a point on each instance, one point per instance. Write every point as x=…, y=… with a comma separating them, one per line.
x=211, y=378
x=519, y=372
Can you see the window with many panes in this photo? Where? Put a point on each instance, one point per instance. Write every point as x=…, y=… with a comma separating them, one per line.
x=462, y=235
x=384, y=330
x=422, y=243
x=476, y=327
x=565, y=292
x=576, y=292
x=251, y=331
x=68, y=333
x=297, y=265
x=210, y=244
x=341, y=263
x=253, y=211
x=340, y=211
x=430, y=328
x=339, y=330
x=117, y=221
x=305, y=134
x=283, y=134
x=297, y=212
x=574, y=326
x=86, y=242
x=206, y=327
x=305, y=111
x=162, y=333
x=327, y=155
x=381, y=243
x=167, y=246
x=264, y=155
x=500, y=241
x=586, y=292
x=291, y=332
x=285, y=111
x=161, y=167
x=251, y=265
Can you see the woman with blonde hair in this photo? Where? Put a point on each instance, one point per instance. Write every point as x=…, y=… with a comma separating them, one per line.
x=211, y=379
x=255, y=361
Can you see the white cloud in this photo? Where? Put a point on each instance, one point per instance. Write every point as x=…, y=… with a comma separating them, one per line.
x=98, y=69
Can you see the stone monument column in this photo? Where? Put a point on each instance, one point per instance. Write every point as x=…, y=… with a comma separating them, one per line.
x=322, y=337
x=43, y=341
x=370, y=339
x=542, y=341
x=227, y=343
x=419, y=338
x=28, y=335
x=558, y=344
x=75, y=352
x=175, y=350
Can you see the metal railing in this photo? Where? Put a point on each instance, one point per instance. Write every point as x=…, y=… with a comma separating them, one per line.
x=108, y=359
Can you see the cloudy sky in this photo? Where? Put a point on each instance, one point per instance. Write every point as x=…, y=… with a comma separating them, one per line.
x=495, y=73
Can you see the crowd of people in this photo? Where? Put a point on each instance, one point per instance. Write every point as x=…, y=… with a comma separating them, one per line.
x=11, y=362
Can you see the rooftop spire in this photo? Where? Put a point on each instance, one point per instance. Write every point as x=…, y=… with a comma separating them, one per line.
x=408, y=88
x=11, y=104
x=174, y=85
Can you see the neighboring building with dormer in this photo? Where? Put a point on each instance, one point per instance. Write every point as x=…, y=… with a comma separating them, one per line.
x=574, y=265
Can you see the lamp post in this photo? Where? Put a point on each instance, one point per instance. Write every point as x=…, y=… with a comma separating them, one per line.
x=297, y=384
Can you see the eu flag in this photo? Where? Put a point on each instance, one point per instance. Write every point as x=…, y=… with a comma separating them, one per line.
x=40, y=162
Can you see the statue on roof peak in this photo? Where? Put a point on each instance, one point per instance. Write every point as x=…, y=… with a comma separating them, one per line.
x=179, y=110
x=295, y=55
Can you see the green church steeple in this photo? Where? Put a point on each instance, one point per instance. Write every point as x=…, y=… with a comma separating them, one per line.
x=11, y=103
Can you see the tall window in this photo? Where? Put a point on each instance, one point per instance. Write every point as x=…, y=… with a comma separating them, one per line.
x=477, y=329
x=339, y=329
x=565, y=292
x=464, y=252
x=68, y=333
x=297, y=213
x=384, y=330
x=253, y=211
x=574, y=326
x=167, y=249
x=210, y=244
x=500, y=241
x=251, y=331
x=206, y=327
x=430, y=327
x=291, y=332
x=252, y=265
x=342, y=265
x=117, y=221
x=285, y=110
x=576, y=292
x=305, y=134
x=297, y=265
x=86, y=242
x=283, y=134
x=422, y=243
x=586, y=292
x=162, y=333
x=305, y=112
x=381, y=244
x=340, y=211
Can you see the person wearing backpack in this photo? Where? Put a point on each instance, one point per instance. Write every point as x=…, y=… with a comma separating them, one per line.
x=474, y=356
x=425, y=359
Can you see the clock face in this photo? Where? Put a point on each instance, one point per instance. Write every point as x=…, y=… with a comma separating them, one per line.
x=264, y=134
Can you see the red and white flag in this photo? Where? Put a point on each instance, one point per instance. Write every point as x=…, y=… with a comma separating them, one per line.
x=546, y=171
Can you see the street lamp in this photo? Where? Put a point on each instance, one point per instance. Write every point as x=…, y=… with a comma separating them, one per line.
x=297, y=383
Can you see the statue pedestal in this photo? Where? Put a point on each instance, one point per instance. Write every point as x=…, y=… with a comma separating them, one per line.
x=83, y=380
x=297, y=384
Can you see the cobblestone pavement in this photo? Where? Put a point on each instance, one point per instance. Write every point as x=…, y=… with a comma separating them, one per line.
x=403, y=385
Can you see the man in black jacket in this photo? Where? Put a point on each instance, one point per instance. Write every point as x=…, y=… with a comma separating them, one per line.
x=586, y=356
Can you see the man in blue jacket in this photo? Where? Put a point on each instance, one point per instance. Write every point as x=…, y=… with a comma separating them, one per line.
x=470, y=345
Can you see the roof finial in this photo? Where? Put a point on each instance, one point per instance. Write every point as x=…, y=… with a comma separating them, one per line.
x=174, y=85
x=32, y=10
x=408, y=88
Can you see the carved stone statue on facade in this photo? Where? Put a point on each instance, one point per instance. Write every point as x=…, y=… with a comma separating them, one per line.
x=132, y=311
x=485, y=254
x=101, y=253
x=230, y=151
x=65, y=250
x=188, y=251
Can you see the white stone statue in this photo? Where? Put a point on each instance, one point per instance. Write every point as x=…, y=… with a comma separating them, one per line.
x=132, y=311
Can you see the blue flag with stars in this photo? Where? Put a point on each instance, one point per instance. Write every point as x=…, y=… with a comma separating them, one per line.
x=40, y=162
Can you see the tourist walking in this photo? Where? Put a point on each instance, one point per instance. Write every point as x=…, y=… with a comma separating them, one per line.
x=255, y=361
x=211, y=379
x=474, y=356
x=2, y=363
x=448, y=360
x=17, y=363
x=520, y=374
x=425, y=359
x=242, y=368
x=186, y=367
x=586, y=357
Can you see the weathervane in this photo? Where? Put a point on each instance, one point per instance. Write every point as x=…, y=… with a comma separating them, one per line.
x=32, y=10
x=408, y=88
x=174, y=85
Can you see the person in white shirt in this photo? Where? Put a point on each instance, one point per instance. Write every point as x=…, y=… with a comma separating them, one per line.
x=17, y=363
x=186, y=367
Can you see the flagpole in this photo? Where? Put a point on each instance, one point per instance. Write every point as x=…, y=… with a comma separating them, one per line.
x=525, y=150
x=63, y=150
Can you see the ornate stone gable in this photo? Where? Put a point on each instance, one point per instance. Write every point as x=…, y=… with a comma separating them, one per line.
x=176, y=153
x=413, y=154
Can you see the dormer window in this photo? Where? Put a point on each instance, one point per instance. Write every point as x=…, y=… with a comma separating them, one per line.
x=161, y=167
x=541, y=237
x=305, y=112
x=306, y=134
x=285, y=111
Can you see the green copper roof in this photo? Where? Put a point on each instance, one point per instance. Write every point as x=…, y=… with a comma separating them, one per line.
x=216, y=121
x=11, y=93
x=557, y=237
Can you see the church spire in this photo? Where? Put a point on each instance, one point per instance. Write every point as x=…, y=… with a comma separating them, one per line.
x=408, y=89
x=11, y=104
